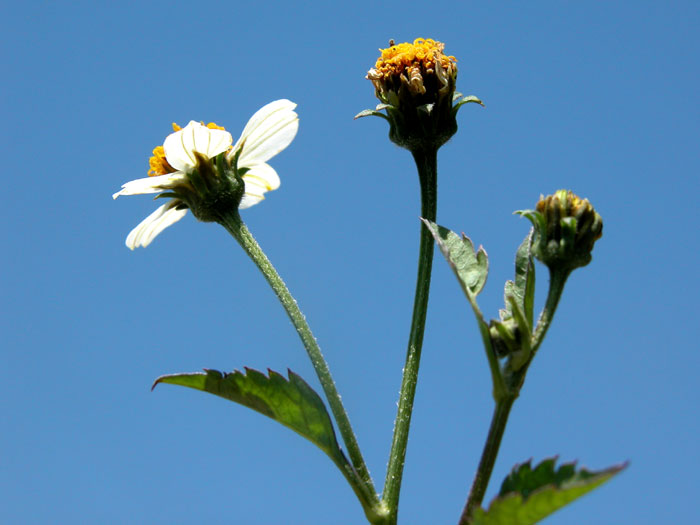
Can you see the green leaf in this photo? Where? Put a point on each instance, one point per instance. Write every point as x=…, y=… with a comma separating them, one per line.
x=470, y=267
x=471, y=270
x=291, y=402
x=523, y=288
x=529, y=495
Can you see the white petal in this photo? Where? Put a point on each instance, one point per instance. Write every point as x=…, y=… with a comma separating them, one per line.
x=265, y=175
x=156, y=222
x=180, y=146
x=268, y=132
x=255, y=190
x=249, y=200
x=151, y=184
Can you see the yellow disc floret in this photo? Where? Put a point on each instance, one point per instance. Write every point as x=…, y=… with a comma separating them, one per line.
x=213, y=125
x=159, y=165
x=422, y=53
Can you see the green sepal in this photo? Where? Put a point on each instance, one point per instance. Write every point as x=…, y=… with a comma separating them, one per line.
x=291, y=402
x=371, y=112
x=465, y=100
x=166, y=195
x=471, y=267
x=529, y=495
x=535, y=217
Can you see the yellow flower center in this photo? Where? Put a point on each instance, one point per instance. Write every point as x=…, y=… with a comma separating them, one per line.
x=159, y=164
x=404, y=58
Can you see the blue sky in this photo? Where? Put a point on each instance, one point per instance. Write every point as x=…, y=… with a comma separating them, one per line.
x=600, y=98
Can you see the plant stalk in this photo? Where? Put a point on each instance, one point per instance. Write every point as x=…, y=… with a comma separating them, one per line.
x=368, y=495
x=488, y=458
x=426, y=162
x=557, y=280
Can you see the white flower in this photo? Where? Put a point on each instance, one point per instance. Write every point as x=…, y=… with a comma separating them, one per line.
x=271, y=129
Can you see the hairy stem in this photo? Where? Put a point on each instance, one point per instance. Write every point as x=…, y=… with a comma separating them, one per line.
x=365, y=491
x=488, y=458
x=426, y=162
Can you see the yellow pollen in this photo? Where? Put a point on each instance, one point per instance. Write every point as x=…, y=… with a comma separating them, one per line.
x=423, y=53
x=159, y=165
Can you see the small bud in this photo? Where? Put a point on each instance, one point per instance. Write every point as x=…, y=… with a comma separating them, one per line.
x=505, y=337
x=509, y=340
x=566, y=228
x=416, y=85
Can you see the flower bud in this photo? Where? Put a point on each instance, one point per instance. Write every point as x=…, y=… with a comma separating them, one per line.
x=566, y=228
x=416, y=85
x=505, y=337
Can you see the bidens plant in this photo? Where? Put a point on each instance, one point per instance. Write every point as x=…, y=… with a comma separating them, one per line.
x=199, y=168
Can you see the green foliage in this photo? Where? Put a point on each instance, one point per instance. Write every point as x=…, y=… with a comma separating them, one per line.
x=523, y=288
x=471, y=267
x=290, y=402
x=529, y=495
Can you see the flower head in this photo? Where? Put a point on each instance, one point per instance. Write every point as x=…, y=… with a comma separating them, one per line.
x=199, y=169
x=566, y=228
x=421, y=70
x=415, y=83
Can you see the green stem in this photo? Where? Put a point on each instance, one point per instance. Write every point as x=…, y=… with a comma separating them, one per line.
x=557, y=280
x=367, y=493
x=426, y=162
x=488, y=458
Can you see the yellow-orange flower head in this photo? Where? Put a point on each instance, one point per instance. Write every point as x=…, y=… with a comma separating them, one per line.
x=421, y=67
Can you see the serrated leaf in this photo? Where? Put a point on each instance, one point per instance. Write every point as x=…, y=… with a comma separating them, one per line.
x=471, y=267
x=523, y=288
x=529, y=495
x=290, y=402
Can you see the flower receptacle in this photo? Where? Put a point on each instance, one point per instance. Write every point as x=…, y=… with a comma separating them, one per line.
x=214, y=188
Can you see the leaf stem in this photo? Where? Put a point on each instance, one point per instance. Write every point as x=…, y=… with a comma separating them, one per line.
x=365, y=491
x=426, y=162
x=557, y=280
